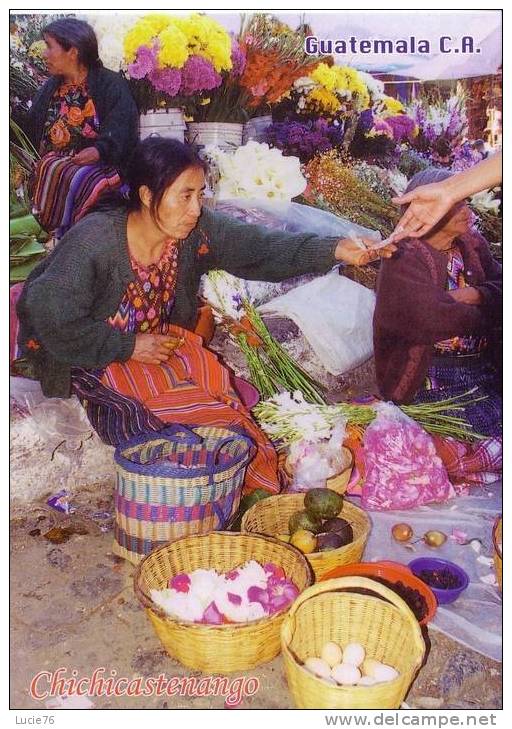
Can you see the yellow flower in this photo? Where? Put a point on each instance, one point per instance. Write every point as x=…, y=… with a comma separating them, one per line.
x=392, y=106
x=325, y=76
x=323, y=100
x=173, y=47
x=143, y=33
x=207, y=38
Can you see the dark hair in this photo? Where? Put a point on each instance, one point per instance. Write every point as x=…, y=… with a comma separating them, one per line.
x=73, y=33
x=157, y=162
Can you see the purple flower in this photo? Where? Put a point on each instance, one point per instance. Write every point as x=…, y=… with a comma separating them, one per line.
x=238, y=58
x=197, y=75
x=145, y=62
x=365, y=121
x=166, y=79
x=403, y=127
x=304, y=139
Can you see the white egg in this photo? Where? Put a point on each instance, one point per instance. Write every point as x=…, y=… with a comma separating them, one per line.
x=366, y=681
x=384, y=673
x=368, y=667
x=330, y=680
x=354, y=654
x=318, y=667
x=346, y=674
x=332, y=654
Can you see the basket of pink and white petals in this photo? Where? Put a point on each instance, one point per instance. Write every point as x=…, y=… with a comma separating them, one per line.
x=217, y=600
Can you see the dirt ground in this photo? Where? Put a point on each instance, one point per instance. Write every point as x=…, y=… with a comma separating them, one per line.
x=73, y=606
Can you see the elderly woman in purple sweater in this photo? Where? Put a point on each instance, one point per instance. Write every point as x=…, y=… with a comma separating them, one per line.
x=438, y=303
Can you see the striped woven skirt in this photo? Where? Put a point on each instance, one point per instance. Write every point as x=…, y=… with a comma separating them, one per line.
x=192, y=388
x=63, y=192
x=480, y=462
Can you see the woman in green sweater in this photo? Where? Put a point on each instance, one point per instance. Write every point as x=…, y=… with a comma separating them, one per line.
x=110, y=313
x=84, y=124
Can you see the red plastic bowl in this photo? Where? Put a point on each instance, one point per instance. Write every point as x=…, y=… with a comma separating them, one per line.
x=392, y=572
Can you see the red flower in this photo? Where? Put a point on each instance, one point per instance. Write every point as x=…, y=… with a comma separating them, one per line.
x=32, y=344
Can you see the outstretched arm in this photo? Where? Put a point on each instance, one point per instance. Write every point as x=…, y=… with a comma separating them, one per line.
x=429, y=203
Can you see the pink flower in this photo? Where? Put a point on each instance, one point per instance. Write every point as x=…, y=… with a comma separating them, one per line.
x=232, y=575
x=274, y=570
x=258, y=594
x=145, y=62
x=234, y=599
x=180, y=583
x=212, y=616
x=281, y=593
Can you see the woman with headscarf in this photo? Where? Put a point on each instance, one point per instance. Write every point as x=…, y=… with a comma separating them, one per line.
x=438, y=307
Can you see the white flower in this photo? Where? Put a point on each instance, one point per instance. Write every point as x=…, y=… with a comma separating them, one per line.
x=110, y=31
x=375, y=86
x=255, y=171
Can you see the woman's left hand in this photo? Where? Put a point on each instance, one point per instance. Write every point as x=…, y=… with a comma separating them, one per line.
x=350, y=251
x=88, y=156
x=467, y=295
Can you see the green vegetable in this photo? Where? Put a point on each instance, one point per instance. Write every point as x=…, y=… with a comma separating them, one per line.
x=304, y=520
x=245, y=504
x=27, y=225
x=323, y=503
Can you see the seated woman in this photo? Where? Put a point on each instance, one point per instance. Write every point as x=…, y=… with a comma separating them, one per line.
x=438, y=301
x=109, y=313
x=83, y=122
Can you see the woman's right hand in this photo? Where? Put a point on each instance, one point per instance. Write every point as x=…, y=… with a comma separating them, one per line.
x=154, y=348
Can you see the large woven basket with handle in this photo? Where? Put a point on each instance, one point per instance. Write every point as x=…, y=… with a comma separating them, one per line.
x=351, y=610
x=218, y=648
x=176, y=482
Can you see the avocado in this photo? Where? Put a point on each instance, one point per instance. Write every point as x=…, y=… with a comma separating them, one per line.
x=245, y=504
x=323, y=503
x=303, y=520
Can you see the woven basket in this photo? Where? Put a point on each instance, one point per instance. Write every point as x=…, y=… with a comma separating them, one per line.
x=174, y=483
x=270, y=516
x=340, y=481
x=497, y=536
x=337, y=611
x=218, y=648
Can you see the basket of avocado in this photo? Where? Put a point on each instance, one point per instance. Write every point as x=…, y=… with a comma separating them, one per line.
x=322, y=524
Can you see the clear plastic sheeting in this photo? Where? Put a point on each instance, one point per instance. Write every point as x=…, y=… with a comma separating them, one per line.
x=335, y=315
x=55, y=420
x=293, y=218
x=475, y=619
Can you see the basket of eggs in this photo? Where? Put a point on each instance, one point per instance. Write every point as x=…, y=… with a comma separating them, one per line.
x=350, y=643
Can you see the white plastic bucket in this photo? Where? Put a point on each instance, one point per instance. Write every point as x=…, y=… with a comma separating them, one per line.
x=168, y=123
x=227, y=136
x=255, y=128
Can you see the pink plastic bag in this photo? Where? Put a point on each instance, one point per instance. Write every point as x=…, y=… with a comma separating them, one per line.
x=402, y=468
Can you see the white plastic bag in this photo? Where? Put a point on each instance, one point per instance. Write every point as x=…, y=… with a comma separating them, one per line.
x=335, y=315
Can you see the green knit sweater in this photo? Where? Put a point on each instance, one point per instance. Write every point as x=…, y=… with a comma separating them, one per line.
x=70, y=294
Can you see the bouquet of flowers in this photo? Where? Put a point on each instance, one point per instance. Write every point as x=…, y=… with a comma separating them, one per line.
x=170, y=59
x=275, y=58
x=304, y=139
x=27, y=69
x=334, y=186
x=110, y=31
x=332, y=92
x=439, y=119
x=270, y=366
x=287, y=418
x=255, y=171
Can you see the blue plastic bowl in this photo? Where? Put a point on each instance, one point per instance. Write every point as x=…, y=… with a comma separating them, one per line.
x=443, y=596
